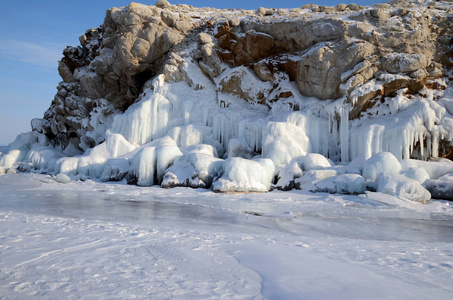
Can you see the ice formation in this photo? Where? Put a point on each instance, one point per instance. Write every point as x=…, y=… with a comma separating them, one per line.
x=244, y=102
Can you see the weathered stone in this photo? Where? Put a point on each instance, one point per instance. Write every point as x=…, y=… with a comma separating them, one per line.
x=419, y=75
x=364, y=101
x=11, y=171
x=261, y=11
x=353, y=7
x=163, y=4
x=65, y=72
x=380, y=14
x=258, y=45
x=263, y=72
x=404, y=63
x=170, y=18
x=341, y=7
x=204, y=38
x=319, y=73
x=140, y=48
x=240, y=83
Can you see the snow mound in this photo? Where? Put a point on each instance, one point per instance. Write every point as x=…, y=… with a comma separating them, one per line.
x=383, y=162
x=242, y=175
x=402, y=187
x=341, y=184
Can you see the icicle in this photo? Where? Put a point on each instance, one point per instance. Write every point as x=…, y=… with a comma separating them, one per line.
x=158, y=82
x=344, y=133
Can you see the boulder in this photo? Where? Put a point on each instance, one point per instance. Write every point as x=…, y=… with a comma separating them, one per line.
x=11, y=171
x=402, y=187
x=62, y=178
x=287, y=175
x=381, y=163
x=341, y=184
x=404, y=63
x=163, y=4
x=439, y=189
x=314, y=161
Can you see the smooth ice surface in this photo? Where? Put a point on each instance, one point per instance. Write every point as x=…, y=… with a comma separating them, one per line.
x=97, y=240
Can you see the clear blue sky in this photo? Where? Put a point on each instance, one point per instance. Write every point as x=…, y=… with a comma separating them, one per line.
x=34, y=33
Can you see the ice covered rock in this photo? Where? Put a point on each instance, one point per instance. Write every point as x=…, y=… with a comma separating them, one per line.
x=116, y=169
x=151, y=161
x=417, y=173
x=440, y=188
x=195, y=170
x=315, y=161
x=309, y=178
x=2, y=171
x=62, y=178
x=92, y=163
x=11, y=171
x=402, y=187
x=434, y=169
x=239, y=148
x=287, y=175
x=341, y=184
x=356, y=165
x=43, y=158
x=243, y=175
x=446, y=177
x=284, y=141
x=18, y=149
x=383, y=162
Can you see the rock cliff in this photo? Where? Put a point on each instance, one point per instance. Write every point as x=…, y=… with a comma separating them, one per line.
x=359, y=54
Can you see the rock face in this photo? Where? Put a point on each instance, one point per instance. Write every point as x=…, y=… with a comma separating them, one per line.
x=362, y=55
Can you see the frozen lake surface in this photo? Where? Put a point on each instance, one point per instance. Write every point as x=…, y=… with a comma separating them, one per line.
x=95, y=240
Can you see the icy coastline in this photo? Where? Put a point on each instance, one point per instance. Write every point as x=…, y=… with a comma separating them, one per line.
x=234, y=101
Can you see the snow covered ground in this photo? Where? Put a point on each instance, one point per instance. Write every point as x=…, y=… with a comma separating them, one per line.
x=95, y=240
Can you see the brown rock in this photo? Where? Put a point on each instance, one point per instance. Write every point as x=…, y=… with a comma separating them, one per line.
x=363, y=102
x=258, y=45
x=263, y=72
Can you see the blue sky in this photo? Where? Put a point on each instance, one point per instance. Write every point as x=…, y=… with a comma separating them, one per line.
x=34, y=33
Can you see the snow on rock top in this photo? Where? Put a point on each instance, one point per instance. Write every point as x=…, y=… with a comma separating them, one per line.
x=243, y=100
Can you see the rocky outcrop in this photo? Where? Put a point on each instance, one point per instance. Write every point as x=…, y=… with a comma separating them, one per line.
x=359, y=54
